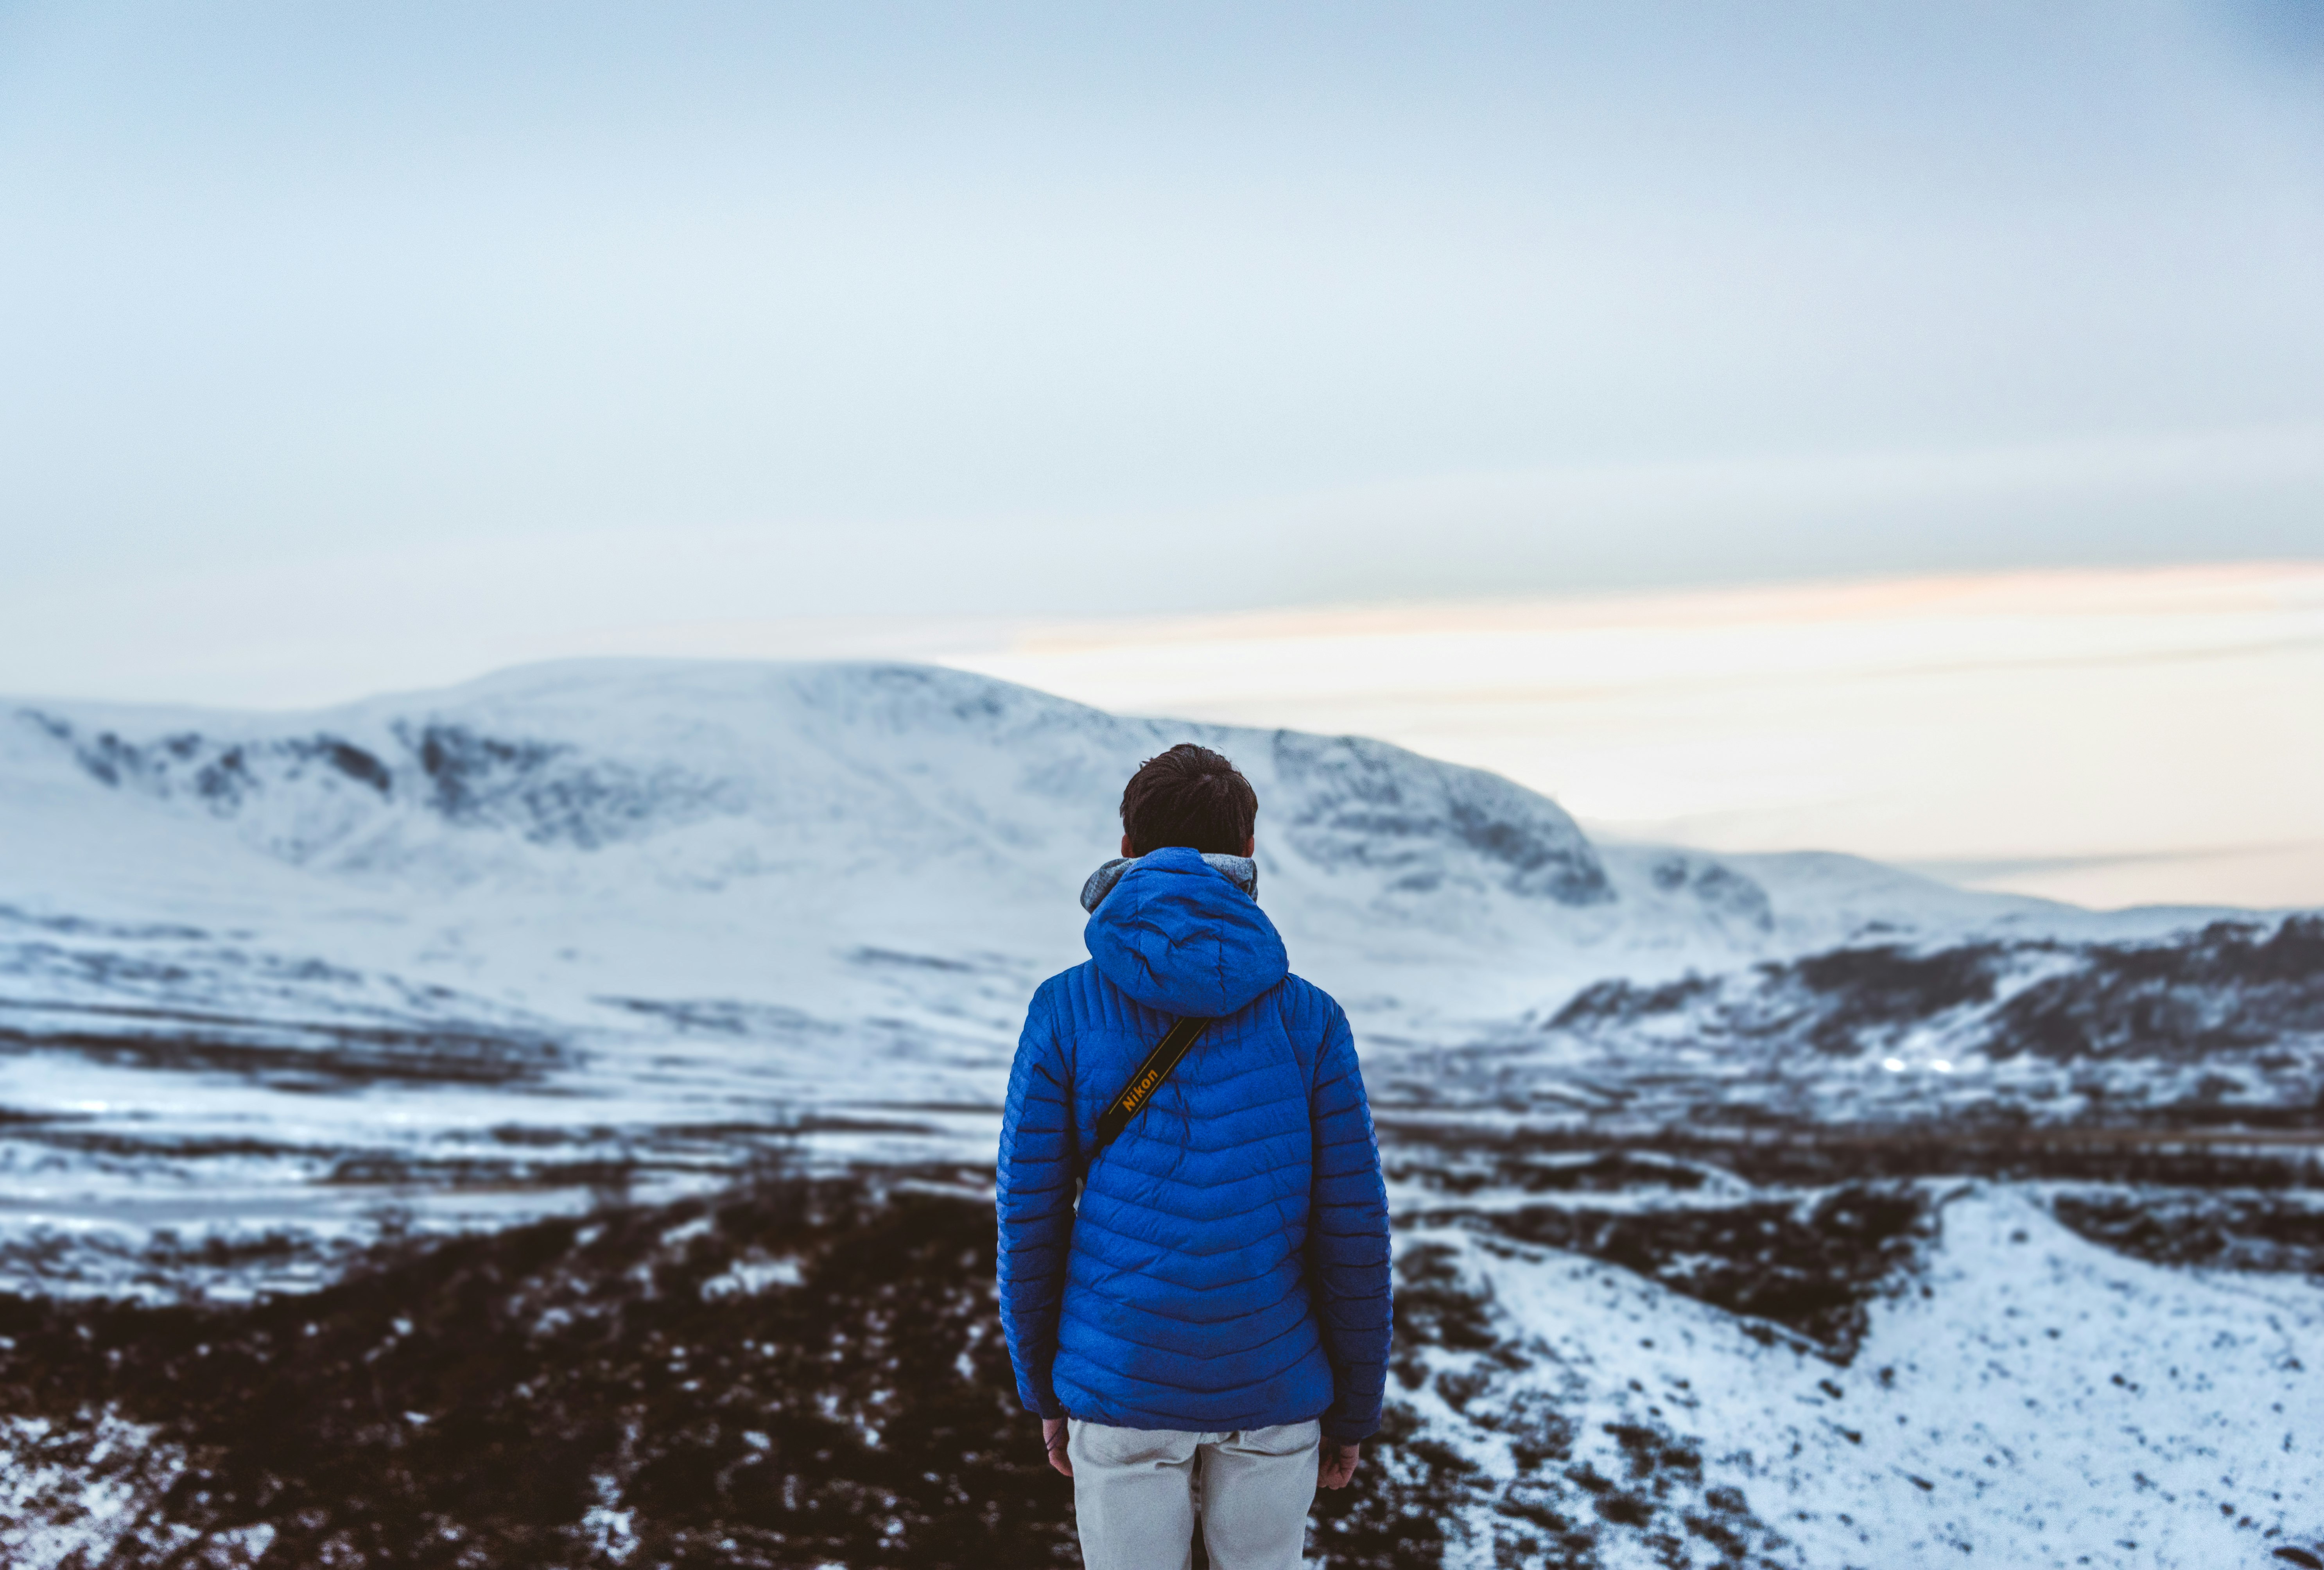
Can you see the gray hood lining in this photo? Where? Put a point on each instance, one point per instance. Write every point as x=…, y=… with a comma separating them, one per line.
x=1241, y=870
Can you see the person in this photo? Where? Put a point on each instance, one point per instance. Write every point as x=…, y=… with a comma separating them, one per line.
x=1216, y=1299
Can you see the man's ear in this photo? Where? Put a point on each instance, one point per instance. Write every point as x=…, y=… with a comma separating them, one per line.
x=1125, y=846
x=1250, y=846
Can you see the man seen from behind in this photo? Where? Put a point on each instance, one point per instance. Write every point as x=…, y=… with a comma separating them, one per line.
x=1202, y=1287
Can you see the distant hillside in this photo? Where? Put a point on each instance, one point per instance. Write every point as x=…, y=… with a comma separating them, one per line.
x=640, y=919
x=821, y=806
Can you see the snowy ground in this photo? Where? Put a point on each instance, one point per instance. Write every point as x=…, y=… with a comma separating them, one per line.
x=2019, y=1395
x=1783, y=1210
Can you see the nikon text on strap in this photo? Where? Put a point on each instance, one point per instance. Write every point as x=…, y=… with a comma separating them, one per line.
x=1143, y=1083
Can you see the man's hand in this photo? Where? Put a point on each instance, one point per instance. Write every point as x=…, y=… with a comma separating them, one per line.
x=1337, y=1463
x=1052, y=1440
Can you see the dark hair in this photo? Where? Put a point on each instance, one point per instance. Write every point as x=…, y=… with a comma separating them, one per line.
x=1188, y=796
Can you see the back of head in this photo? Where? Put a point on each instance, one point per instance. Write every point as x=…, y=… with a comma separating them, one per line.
x=1189, y=796
x=1177, y=928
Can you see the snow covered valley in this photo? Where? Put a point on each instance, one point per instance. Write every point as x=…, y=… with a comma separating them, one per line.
x=548, y=1121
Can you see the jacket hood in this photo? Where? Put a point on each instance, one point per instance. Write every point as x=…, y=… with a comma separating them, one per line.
x=1177, y=933
x=1241, y=870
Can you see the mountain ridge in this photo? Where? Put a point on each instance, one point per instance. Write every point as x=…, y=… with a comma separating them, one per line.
x=642, y=915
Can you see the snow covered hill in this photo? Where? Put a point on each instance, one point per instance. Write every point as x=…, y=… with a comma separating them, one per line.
x=579, y=919
x=585, y=846
x=774, y=814
x=751, y=821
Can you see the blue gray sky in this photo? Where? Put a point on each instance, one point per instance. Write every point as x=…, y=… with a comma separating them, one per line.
x=355, y=347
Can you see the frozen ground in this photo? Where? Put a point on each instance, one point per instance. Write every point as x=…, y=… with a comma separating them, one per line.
x=1784, y=1210
x=2007, y=1391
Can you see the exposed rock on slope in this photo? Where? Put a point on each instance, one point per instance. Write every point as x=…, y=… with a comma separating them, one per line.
x=1359, y=803
x=2225, y=1024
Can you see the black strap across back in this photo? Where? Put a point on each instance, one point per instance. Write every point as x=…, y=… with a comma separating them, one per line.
x=1143, y=1083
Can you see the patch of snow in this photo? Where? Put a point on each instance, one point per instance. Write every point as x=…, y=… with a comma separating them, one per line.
x=747, y=1278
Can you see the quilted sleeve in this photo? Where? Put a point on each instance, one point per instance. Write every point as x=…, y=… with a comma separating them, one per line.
x=1347, y=1240
x=1034, y=1196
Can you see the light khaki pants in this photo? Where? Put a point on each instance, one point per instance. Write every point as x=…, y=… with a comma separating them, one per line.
x=1134, y=1494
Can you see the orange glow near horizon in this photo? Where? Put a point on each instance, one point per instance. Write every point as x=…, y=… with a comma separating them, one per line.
x=2108, y=737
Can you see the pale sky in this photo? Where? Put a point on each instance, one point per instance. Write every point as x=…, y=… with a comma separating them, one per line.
x=348, y=348
x=2114, y=738
x=358, y=347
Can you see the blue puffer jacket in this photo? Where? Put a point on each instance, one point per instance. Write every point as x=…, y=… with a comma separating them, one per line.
x=1227, y=1266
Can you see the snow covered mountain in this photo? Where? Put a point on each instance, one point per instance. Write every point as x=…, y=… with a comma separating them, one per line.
x=776, y=813
x=550, y=923
x=608, y=782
